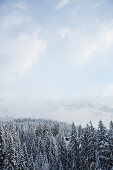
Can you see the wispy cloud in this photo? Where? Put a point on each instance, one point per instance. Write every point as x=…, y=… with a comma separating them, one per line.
x=62, y=3
x=23, y=48
x=13, y=19
x=64, y=32
x=105, y=95
x=19, y=5
x=98, y=4
x=109, y=90
x=82, y=113
x=101, y=40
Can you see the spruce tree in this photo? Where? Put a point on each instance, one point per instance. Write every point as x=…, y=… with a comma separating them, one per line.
x=12, y=157
x=62, y=152
x=111, y=143
x=2, y=148
x=25, y=154
x=73, y=150
x=103, y=147
x=31, y=165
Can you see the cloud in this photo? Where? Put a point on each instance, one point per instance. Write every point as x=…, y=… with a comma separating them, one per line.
x=64, y=32
x=62, y=3
x=14, y=19
x=19, y=5
x=108, y=91
x=14, y=15
x=21, y=44
x=98, y=4
x=66, y=111
x=82, y=113
x=107, y=96
x=102, y=40
x=24, y=49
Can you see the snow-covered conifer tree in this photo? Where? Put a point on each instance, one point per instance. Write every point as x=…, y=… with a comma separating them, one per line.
x=2, y=148
x=103, y=149
x=73, y=150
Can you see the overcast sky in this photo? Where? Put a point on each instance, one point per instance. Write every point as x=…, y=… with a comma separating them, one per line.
x=56, y=49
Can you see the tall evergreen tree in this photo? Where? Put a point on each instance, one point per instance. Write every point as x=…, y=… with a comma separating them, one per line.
x=73, y=150
x=25, y=154
x=2, y=148
x=31, y=165
x=80, y=131
x=85, y=148
x=111, y=143
x=16, y=142
x=103, y=147
x=92, y=146
x=12, y=157
x=62, y=152
x=55, y=129
x=22, y=164
x=53, y=153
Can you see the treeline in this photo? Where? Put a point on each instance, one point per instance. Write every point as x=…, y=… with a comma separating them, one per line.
x=30, y=144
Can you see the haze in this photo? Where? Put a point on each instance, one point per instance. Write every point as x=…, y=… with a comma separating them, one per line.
x=56, y=59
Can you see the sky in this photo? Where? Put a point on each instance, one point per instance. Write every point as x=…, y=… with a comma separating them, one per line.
x=57, y=52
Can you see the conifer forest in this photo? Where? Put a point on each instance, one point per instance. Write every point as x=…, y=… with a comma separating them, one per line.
x=37, y=144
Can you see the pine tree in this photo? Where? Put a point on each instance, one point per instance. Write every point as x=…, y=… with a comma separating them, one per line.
x=31, y=163
x=16, y=142
x=92, y=146
x=73, y=150
x=22, y=164
x=53, y=153
x=25, y=154
x=2, y=148
x=39, y=162
x=12, y=158
x=88, y=147
x=34, y=148
x=55, y=129
x=85, y=148
x=62, y=152
x=111, y=143
x=46, y=146
x=103, y=147
x=80, y=131
x=29, y=139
